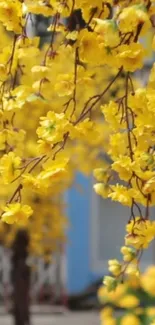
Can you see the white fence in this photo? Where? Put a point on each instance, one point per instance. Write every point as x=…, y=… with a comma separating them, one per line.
x=53, y=275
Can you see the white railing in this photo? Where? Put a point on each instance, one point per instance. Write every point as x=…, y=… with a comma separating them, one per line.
x=52, y=275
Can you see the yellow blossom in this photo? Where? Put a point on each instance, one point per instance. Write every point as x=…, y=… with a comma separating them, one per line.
x=114, y=267
x=129, y=301
x=150, y=311
x=128, y=253
x=147, y=280
x=102, y=174
x=38, y=185
x=121, y=194
x=108, y=32
x=131, y=17
x=9, y=167
x=102, y=189
x=130, y=319
x=131, y=56
x=16, y=213
x=124, y=166
x=54, y=170
x=110, y=283
x=10, y=14
x=53, y=127
x=140, y=233
x=149, y=186
x=88, y=42
x=64, y=85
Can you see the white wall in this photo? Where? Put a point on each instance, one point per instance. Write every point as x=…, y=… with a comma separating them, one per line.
x=108, y=221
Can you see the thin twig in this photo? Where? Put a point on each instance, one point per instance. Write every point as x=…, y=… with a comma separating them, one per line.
x=97, y=98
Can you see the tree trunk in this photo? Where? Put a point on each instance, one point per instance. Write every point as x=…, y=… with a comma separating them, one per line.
x=20, y=280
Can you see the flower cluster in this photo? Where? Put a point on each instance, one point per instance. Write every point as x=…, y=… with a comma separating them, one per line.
x=135, y=298
x=66, y=102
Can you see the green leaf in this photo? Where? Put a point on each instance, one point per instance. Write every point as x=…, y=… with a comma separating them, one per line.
x=113, y=24
x=146, y=320
x=141, y=7
x=33, y=97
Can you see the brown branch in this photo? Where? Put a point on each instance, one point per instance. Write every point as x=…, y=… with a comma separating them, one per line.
x=75, y=81
x=12, y=54
x=97, y=98
x=27, y=165
x=55, y=19
x=36, y=164
x=131, y=83
x=72, y=9
x=66, y=135
x=139, y=28
x=16, y=192
x=147, y=207
x=137, y=206
x=127, y=117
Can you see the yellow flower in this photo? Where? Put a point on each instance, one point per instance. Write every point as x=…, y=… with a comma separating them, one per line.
x=132, y=269
x=118, y=145
x=128, y=253
x=16, y=99
x=138, y=100
x=72, y=35
x=9, y=165
x=129, y=301
x=10, y=14
x=121, y=194
x=106, y=311
x=87, y=43
x=39, y=7
x=150, y=311
x=130, y=319
x=37, y=185
x=135, y=241
x=123, y=165
x=54, y=171
x=110, y=282
x=53, y=127
x=101, y=174
x=44, y=147
x=106, y=316
x=131, y=17
x=87, y=8
x=111, y=114
x=149, y=186
x=40, y=71
x=133, y=280
x=16, y=213
x=102, y=189
x=108, y=32
x=114, y=267
x=148, y=280
x=64, y=85
x=112, y=294
x=140, y=233
x=131, y=56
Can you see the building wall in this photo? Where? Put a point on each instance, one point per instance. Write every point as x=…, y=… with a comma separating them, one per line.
x=95, y=235
x=78, y=244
